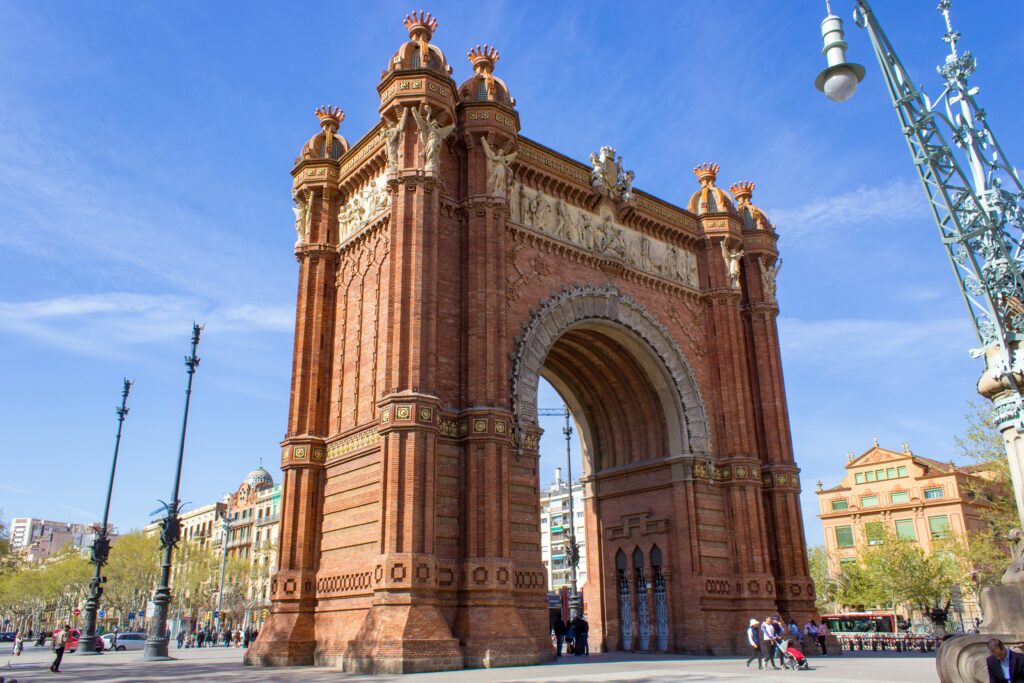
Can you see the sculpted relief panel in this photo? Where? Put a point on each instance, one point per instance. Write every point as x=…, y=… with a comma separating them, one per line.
x=600, y=235
x=363, y=207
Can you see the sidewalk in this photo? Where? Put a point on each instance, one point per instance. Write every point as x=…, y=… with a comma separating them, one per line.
x=225, y=664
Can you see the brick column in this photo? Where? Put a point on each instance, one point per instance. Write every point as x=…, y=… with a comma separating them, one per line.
x=289, y=635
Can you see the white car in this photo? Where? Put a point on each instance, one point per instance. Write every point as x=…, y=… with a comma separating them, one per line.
x=125, y=641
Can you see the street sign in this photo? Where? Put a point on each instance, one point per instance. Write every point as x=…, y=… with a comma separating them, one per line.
x=76, y=611
x=103, y=613
x=131, y=616
x=216, y=614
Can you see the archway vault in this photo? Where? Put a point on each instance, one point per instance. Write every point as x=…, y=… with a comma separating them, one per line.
x=587, y=340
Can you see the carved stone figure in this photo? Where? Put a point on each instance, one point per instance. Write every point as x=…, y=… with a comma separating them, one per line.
x=608, y=176
x=768, y=275
x=563, y=221
x=393, y=140
x=498, y=168
x=303, y=210
x=432, y=134
x=732, y=259
x=362, y=207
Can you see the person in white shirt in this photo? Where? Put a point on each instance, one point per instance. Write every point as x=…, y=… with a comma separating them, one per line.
x=754, y=639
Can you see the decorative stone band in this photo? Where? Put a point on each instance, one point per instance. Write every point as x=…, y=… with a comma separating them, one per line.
x=709, y=471
x=447, y=425
x=352, y=443
x=776, y=479
x=757, y=586
x=527, y=151
x=303, y=454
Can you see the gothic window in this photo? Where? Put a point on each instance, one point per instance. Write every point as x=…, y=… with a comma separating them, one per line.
x=642, y=608
x=660, y=601
x=625, y=602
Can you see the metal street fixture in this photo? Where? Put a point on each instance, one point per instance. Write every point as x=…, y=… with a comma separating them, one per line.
x=101, y=545
x=840, y=78
x=978, y=206
x=157, y=641
x=573, y=553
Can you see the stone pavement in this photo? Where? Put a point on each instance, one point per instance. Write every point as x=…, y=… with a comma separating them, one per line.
x=224, y=664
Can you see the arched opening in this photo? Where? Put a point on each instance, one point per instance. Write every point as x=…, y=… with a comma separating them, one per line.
x=632, y=417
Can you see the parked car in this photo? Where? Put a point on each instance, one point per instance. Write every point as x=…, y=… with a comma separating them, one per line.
x=125, y=641
x=7, y=636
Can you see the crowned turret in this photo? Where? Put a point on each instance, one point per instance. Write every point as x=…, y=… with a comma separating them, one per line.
x=483, y=85
x=753, y=217
x=326, y=144
x=709, y=198
x=418, y=53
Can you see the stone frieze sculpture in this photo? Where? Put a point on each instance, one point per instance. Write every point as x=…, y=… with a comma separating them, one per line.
x=432, y=134
x=732, y=258
x=768, y=275
x=393, y=140
x=499, y=171
x=363, y=207
x=608, y=177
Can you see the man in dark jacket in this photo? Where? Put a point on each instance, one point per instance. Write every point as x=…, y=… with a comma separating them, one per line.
x=582, y=629
x=559, y=630
x=1004, y=666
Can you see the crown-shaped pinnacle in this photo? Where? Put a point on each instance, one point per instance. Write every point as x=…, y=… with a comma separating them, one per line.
x=483, y=58
x=706, y=173
x=423, y=22
x=742, y=191
x=330, y=116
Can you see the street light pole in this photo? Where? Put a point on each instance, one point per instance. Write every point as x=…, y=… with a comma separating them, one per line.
x=156, y=643
x=101, y=545
x=574, y=554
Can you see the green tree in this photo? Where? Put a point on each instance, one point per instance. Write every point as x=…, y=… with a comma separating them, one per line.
x=131, y=570
x=982, y=444
x=826, y=586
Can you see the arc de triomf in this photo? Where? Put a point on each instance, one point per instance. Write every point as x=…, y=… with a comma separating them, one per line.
x=446, y=264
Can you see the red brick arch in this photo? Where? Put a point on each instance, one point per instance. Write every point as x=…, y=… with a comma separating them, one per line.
x=621, y=333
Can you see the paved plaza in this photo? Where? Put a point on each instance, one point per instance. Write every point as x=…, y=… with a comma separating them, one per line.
x=219, y=664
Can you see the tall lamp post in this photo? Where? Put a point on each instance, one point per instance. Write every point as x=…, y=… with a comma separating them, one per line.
x=573, y=553
x=978, y=206
x=156, y=643
x=101, y=545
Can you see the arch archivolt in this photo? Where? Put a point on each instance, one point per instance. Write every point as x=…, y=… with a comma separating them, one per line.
x=609, y=312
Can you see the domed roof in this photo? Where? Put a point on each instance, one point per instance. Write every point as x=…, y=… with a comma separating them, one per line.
x=418, y=53
x=330, y=118
x=258, y=478
x=483, y=85
x=753, y=217
x=709, y=199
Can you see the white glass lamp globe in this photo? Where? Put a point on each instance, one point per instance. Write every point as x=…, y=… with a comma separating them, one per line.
x=841, y=84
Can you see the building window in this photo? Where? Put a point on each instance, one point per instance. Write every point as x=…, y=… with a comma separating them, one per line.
x=859, y=477
x=840, y=504
x=869, y=501
x=931, y=494
x=901, y=471
x=845, y=562
x=905, y=530
x=875, y=533
x=869, y=475
x=899, y=497
x=844, y=536
x=939, y=526
x=890, y=473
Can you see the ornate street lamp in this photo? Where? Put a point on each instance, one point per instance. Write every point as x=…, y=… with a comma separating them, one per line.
x=101, y=545
x=573, y=551
x=977, y=201
x=156, y=643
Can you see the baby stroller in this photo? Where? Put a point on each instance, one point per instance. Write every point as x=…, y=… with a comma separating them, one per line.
x=791, y=657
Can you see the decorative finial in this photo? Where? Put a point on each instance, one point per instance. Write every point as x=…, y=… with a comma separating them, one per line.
x=483, y=59
x=420, y=25
x=820, y=487
x=875, y=438
x=742, y=191
x=706, y=173
x=330, y=117
x=849, y=456
x=905, y=446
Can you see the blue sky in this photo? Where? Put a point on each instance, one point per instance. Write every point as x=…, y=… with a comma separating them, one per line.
x=145, y=151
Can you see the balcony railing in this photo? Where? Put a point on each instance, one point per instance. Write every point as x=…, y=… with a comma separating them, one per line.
x=269, y=519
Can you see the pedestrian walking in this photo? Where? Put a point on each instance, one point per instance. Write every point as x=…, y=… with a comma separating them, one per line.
x=558, y=628
x=822, y=634
x=570, y=639
x=180, y=639
x=60, y=641
x=19, y=644
x=754, y=639
x=768, y=642
x=794, y=630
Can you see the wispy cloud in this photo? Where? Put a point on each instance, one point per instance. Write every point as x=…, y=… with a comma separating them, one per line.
x=850, y=343
x=96, y=324
x=896, y=202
